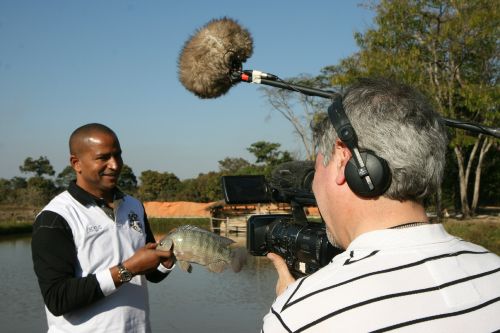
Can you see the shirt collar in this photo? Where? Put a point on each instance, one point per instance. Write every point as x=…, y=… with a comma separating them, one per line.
x=87, y=199
x=400, y=238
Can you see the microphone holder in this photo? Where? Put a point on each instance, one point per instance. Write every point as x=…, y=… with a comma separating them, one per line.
x=252, y=76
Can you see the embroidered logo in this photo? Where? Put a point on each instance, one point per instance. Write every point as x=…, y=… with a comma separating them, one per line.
x=134, y=222
x=92, y=229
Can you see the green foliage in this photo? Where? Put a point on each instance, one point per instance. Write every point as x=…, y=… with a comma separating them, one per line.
x=156, y=186
x=231, y=165
x=127, y=182
x=65, y=177
x=40, y=166
x=447, y=49
x=208, y=187
x=14, y=228
x=267, y=153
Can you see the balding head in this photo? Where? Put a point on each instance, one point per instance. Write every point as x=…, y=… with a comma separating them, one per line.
x=83, y=134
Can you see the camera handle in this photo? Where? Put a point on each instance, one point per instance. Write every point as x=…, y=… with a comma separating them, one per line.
x=298, y=212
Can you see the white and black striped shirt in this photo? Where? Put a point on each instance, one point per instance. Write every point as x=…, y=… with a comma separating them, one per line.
x=419, y=279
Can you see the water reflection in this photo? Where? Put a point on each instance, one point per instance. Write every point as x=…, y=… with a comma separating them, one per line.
x=21, y=304
x=214, y=302
x=198, y=302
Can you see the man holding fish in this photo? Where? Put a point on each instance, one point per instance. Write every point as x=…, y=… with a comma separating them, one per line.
x=92, y=245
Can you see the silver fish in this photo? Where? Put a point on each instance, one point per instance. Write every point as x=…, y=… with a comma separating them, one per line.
x=195, y=245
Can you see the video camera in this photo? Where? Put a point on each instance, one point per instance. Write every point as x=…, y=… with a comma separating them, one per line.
x=303, y=244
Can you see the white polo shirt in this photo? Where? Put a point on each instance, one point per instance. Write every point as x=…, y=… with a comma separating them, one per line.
x=418, y=279
x=102, y=243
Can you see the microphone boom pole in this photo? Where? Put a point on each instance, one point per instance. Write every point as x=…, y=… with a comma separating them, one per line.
x=258, y=77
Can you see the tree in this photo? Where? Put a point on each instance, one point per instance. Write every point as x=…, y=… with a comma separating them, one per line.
x=127, y=181
x=231, y=165
x=447, y=49
x=6, y=191
x=40, y=166
x=209, y=186
x=268, y=153
x=299, y=109
x=18, y=183
x=188, y=191
x=156, y=186
x=39, y=191
x=65, y=177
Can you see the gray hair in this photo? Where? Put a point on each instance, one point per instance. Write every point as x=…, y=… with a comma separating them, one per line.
x=398, y=124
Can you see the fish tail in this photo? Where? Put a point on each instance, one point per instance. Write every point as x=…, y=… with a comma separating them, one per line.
x=238, y=259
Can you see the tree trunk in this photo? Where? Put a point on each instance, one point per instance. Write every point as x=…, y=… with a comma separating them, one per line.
x=487, y=143
x=463, y=183
x=439, y=208
x=464, y=174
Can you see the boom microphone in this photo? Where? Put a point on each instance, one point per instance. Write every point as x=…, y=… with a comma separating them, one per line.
x=211, y=60
x=210, y=63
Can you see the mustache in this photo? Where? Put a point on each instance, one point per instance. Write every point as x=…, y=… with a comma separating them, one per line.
x=114, y=174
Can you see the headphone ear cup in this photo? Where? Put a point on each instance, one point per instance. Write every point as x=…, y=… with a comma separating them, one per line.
x=379, y=172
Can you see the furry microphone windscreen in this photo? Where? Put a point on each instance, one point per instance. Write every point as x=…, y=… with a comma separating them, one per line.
x=209, y=58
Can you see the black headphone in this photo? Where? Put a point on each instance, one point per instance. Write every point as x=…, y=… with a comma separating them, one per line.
x=367, y=174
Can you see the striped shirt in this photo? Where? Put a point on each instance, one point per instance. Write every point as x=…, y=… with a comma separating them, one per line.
x=418, y=279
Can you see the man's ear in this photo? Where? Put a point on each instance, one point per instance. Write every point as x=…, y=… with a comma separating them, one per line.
x=74, y=161
x=342, y=157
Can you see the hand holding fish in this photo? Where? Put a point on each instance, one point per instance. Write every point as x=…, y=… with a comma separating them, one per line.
x=196, y=245
x=147, y=259
x=285, y=278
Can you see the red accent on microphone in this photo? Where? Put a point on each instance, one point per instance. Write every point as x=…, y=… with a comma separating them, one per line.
x=245, y=77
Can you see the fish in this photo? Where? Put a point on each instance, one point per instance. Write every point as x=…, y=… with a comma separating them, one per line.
x=192, y=244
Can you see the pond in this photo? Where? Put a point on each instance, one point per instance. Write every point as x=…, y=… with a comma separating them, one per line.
x=198, y=302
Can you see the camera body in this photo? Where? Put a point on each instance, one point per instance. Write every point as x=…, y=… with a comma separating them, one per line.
x=303, y=244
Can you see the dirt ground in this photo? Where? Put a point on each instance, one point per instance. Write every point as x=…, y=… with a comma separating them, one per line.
x=177, y=209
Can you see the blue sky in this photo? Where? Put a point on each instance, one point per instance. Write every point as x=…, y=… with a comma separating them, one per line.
x=67, y=63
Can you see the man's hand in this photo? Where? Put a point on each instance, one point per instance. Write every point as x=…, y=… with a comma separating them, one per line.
x=284, y=276
x=147, y=259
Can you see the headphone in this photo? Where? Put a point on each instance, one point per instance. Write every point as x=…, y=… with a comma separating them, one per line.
x=367, y=174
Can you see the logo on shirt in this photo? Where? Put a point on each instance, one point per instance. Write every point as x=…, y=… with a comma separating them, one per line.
x=92, y=229
x=134, y=222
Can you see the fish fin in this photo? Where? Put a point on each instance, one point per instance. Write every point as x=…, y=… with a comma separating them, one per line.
x=238, y=259
x=222, y=240
x=225, y=241
x=217, y=266
x=185, y=266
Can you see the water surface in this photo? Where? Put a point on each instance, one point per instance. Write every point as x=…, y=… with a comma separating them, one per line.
x=198, y=302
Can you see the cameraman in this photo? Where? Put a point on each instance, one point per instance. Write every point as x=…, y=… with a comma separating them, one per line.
x=398, y=271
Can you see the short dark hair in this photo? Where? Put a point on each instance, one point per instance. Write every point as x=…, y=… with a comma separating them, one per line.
x=87, y=130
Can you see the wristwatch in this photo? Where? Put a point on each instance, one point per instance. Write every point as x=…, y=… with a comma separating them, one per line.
x=124, y=274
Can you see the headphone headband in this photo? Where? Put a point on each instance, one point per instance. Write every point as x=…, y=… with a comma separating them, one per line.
x=363, y=179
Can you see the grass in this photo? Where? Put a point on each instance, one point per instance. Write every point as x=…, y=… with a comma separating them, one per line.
x=15, y=228
x=486, y=234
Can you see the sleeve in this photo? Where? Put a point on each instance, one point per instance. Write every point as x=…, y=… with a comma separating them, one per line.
x=157, y=275
x=54, y=261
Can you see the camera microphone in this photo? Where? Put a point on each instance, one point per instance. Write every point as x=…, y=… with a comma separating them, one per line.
x=294, y=179
x=210, y=62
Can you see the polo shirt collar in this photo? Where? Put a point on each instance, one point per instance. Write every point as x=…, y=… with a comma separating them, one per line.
x=87, y=199
x=401, y=238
